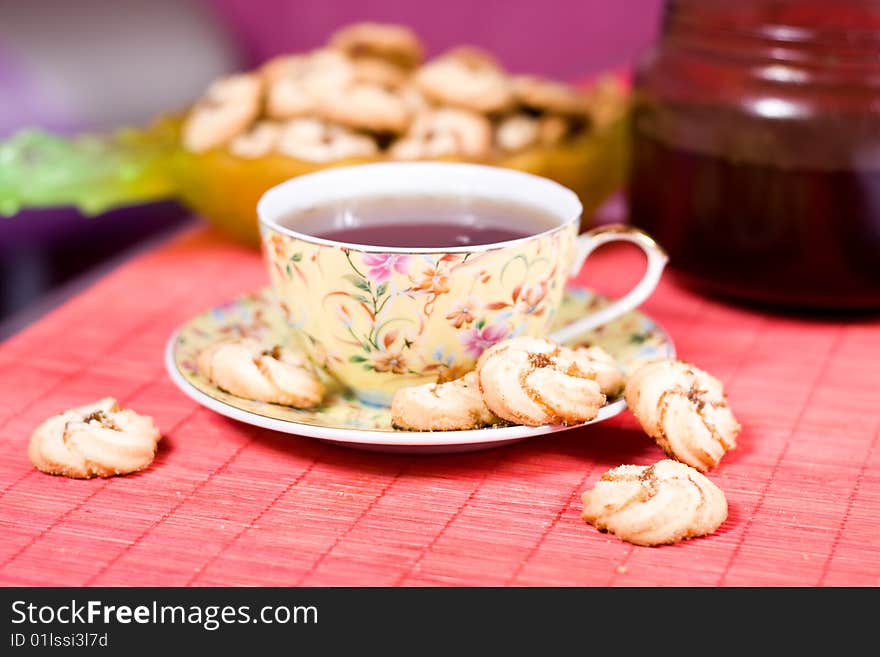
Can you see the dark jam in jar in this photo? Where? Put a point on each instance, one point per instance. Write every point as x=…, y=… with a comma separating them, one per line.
x=756, y=157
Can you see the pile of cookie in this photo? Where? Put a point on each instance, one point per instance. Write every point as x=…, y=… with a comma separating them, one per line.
x=368, y=94
x=684, y=409
x=524, y=380
x=534, y=381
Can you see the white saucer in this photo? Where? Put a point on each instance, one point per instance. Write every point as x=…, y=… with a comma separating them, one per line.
x=343, y=419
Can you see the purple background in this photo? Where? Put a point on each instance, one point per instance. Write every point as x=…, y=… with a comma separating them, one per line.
x=565, y=38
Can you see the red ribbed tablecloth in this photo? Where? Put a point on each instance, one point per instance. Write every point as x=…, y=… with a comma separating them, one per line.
x=229, y=504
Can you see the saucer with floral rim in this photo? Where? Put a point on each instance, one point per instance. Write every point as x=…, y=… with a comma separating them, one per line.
x=343, y=419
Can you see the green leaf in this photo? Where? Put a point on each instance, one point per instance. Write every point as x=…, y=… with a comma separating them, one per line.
x=360, y=297
x=481, y=323
x=357, y=359
x=638, y=338
x=358, y=282
x=288, y=270
x=382, y=289
x=296, y=257
x=369, y=367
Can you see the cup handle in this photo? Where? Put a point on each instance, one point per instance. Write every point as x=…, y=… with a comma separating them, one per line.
x=589, y=242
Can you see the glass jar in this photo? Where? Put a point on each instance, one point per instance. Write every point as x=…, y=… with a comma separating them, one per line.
x=756, y=157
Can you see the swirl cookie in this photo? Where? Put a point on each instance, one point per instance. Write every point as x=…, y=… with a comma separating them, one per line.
x=549, y=96
x=684, y=409
x=393, y=43
x=98, y=440
x=363, y=106
x=297, y=83
x=466, y=82
x=314, y=140
x=379, y=72
x=259, y=141
x=598, y=364
x=247, y=369
x=655, y=505
x=442, y=133
x=520, y=131
x=517, y=132
x=553, y=129
x=532, y=381
x=455, y=405
x=230, y=105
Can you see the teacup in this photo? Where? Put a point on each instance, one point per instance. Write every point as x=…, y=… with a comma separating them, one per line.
x=378, y=318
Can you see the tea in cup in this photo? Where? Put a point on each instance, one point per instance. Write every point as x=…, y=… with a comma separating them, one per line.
x=398, y=274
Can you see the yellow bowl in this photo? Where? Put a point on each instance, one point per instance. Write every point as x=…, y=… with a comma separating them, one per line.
x=225, y=189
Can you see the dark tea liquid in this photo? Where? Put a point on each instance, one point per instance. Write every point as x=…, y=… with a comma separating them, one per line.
x=422, y=221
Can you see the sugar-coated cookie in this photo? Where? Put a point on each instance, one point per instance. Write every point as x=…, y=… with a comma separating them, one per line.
x=365, y=106
x=230, y=105
x=517, y=131
x=450, y=406
x=97, y=440
x=654, y=505
x=465, y=82
x=533, y=381
x=259, y=141
x=246, y=368
x=393, y=43
x=598, y=364
x=684, y=409
x=315, y=140
x=547, y=95
x=444, y=133
x=295, y=84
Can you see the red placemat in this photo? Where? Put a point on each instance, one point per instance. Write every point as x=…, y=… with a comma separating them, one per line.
x=229, y=504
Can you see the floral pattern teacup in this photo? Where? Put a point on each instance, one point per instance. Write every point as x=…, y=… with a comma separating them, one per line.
x=381, y=318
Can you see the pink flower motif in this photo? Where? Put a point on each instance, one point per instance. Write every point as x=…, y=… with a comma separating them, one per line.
x=382, y=265
x=476, y=341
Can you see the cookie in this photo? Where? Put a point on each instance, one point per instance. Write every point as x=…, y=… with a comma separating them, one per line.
x=655, y=505
x=326, y=84
x=229, y=106
x=314, y=140
x=296, y=83
x=414, y=100
x=379, y=72
x=517, y=132
x=455, y=405
x=259, y=141
x=598, y=364
x=365, y=106
x=531, y=381
x=98, y=440
x=545, y=95
x=467, y=83
x=287, y=92
x=606, y=100
x=553, y=129
x=684, y=409
x=393, y=43
x=445, y=133
x=246, y=368
x=474, y=57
